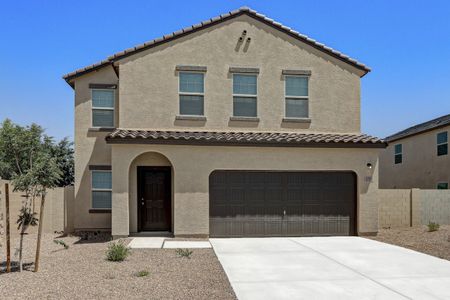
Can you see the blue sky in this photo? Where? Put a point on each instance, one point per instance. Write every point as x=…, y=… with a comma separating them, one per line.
x=406, y=43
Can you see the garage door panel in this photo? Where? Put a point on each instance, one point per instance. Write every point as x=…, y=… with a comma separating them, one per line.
x=265, y=203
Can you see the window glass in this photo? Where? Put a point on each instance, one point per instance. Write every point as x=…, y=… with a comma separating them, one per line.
x=191, y=82
x=101, y=199
x=296, y=108
x=103, y=98
x=442, y=186
x=244, y=106
x=398, y=156
x=296, y=86
x=244, y=84
x=102, y=118
x=191, y=105
x=101, y=180
x=442, y=137
x=442, y=143
x=101, y=189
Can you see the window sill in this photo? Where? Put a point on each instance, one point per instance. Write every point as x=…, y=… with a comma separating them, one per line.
x=99, y=211
x=191, y=118
x=101, y=129
x=245, y=119
x=296, y=120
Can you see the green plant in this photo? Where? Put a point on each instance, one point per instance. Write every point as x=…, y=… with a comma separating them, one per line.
x=62, y=243
x=184, y=253
x=142, y=273
x=117, y=251
x=432, y=226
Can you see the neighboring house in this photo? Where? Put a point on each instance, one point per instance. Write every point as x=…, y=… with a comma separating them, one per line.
x=418, y=157
x=237, y=126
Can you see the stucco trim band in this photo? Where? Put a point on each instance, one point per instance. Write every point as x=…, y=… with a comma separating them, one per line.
x=296, y=72
x=191, y=68
x=102, y=86
x=244, y=70
x=99, y=167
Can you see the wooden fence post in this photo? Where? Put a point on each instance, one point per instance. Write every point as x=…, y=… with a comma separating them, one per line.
x=8, y=231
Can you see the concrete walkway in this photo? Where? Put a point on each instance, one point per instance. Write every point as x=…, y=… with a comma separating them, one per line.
x=330, y=268
x=166, y=243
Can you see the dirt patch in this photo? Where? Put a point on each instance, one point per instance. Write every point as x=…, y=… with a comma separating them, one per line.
x=81, y=272
x=435, y=243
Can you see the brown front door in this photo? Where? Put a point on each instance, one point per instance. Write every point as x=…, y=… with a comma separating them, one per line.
x=154, y=198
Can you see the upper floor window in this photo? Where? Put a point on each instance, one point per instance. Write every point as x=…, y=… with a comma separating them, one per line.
x=398, y=154
x=442, y=143
x=191, y=92
x=442, y=186
x=296, y=96
x=103, y=108
x=244, y=95
x=101, y=189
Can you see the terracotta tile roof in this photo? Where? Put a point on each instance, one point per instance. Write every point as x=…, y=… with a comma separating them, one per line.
x=243, y=138
x=213, y=21
x=423, y=127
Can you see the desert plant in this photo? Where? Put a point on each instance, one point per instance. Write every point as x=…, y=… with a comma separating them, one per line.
x=184, y=253
x=62, y=243
x=142, y=273
x=432, y=226
x=117, y=251
x=26, y=218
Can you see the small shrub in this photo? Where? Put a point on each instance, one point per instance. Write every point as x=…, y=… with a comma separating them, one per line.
x=117, y=251
x=142, y=273
x=184, y=253
x=62, y=243
x=432, y=226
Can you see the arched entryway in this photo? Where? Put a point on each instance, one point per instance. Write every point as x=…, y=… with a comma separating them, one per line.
x=150, y=193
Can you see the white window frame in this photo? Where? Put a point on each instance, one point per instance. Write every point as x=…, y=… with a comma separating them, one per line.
x=180, y=93
x=99, y=190
x=245, y=95
x=295, y=97
x=113, y=109
x=439, y=144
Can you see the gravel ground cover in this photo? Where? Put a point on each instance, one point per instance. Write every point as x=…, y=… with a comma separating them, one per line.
x=435, y=243
x=82, y=272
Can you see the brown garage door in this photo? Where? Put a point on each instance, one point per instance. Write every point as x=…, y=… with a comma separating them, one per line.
x=266, y=203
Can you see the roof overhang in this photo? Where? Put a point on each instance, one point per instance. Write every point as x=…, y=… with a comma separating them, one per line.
x=260, y=139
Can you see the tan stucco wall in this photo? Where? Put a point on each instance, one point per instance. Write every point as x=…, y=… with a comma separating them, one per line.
x=147, y=97
x=192, y=166
x=149, y=83
x=90, y=149
x=421, y=167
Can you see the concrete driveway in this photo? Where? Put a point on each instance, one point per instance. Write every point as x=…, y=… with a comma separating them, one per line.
x=330, y=268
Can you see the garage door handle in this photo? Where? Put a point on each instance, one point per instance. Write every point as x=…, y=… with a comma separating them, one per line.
x=284, y=212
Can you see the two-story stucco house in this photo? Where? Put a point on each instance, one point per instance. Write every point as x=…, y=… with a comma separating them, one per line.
x=417, y=157
x=237, y=126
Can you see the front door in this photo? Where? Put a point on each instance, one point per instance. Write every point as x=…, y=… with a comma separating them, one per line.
x=154, y=198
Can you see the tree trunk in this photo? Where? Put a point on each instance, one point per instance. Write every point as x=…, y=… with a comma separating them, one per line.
x=38, y=246
x=22, y=233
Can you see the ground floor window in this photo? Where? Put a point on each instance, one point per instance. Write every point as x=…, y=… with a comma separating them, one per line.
x=101, y=189
x=442, y=186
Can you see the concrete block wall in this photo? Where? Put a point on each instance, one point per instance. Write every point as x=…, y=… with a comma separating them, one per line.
x=394, y=208
x=56, y=217
x=412, y=207
x=435, y=206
